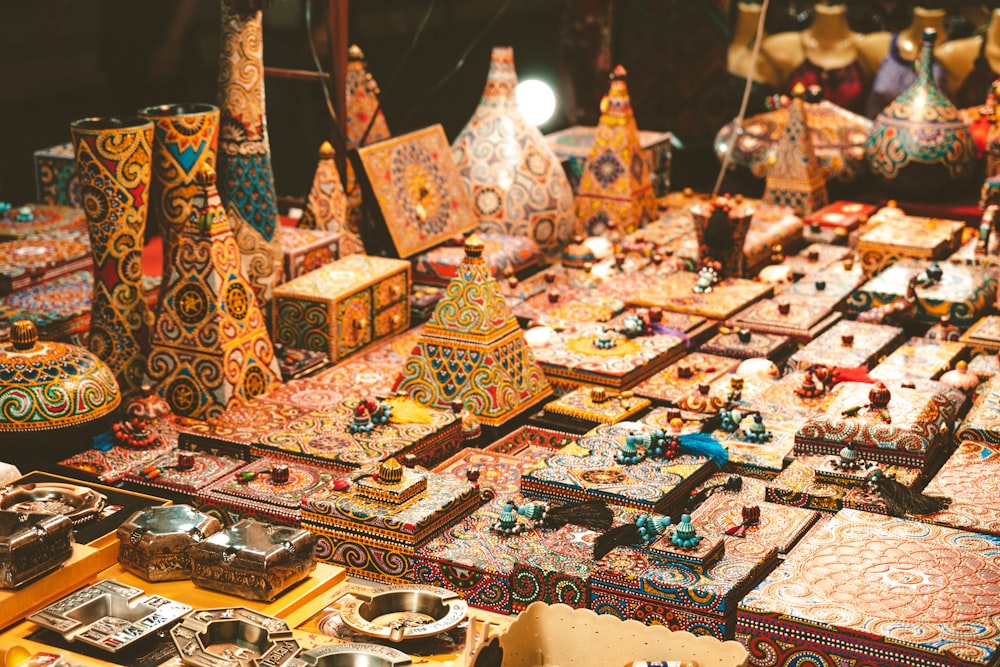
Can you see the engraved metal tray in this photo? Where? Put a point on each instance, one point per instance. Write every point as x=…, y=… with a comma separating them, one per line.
x=233, y=636
x=109, y=615
x=404, y=612
x=351, y=655
x=79, y=503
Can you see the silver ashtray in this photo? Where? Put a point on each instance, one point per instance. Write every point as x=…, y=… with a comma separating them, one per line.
x=351, y=655
x=79, y=503
x=109, y=615
x=403, y=612
x=233, y=636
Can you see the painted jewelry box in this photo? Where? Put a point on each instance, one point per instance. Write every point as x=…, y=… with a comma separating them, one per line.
x=892, y=236
x=33, y=220
x=983, y=419
x=983, y=337
x=801, y=320
x=845, y=215
x=778, y=526
x=34, y=260
x=305, y=250
x=185, y=472
x=969, y=477
x=373, y=528
x=919, y=358
x=343, y=306
x=253, y=560
x=684, y=376
x=746, y=344
x=676, y=293
x=589, y=406
x=847, y=344
x=866, y=589
x=60, y=308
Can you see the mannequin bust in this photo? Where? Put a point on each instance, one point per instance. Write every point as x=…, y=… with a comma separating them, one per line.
x=741, y=47
x=971, y=64
x=827, y=53
x=896, y=54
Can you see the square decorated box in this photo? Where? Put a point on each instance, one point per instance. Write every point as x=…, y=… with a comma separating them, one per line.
x=507, y=573
x=35, y=260
x=305, y=250
x=778, y=526
x=892, y=236
x=746, y=344
x=240, y=426
x=841, y=215
x=587, y=407
x=887, y=423
x=184, y=472
x=834, y=283
x=504, y=254
x=847, y=344
x=48, y=220
x=684, y=376
x=373, y=527
x=60, y=308
x=919, y=358
x=866, y=589
x=588, y=470
x=963, y=294
x=343, y=306
x=572, y=146
x=676, y=293
x=969, y=477
x=983, y=337
x=567, y=305
x=814, y=258
x=800, y=319
x=56, y=181
x=494, y=472
x=983, y=419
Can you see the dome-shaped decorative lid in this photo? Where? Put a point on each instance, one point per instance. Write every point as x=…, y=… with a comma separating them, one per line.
x=48, y=385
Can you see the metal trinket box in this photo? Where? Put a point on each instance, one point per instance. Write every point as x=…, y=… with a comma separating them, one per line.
x=155, y=542
x=32, y=545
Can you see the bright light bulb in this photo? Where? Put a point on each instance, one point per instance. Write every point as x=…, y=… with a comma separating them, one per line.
x=537, y=101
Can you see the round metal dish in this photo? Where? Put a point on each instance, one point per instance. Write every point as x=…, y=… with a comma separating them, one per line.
x=404, y=612
x=351, y=655
x=79, y=503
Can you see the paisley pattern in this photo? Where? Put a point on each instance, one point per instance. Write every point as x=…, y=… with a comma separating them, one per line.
x=513, y=178
x=246, y=180
x=982, y=423
x=210, y=344
x=113, y=161
x=971, y=478
x=185, y=140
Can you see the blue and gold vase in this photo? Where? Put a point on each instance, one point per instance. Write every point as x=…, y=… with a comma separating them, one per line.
x=919, y=148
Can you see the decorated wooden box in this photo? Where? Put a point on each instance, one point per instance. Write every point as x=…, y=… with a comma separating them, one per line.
x=983, y=419
x=567, y=305
x=760, y=457
x=801, y=320
x=676, y=293
x=111, y=464
x=572, y=146
x=684, y=376
x=893, y=236
x=266, y=489
x=507, y=573
x=343, y=306
x=494, y=472
x=847, y=344
x=843, y=215
x=505, y=255
x=60, y=308
x=875, y=591
x=745, y=344
x=353, y=433
x=589, y=470
x=814, y=258
x=962, y=293
x=56, y=181
x=373, y=527
x=740, y=518
x=34, y=260
x=32, y=220
x=919, y=358
x=586, y=407
x=528, y=436
x=887, y=423
x=983, y=337
x=969, y=477
x=184, y=472
x=238, y=427
x=305, y=250
x=654, y=588
x=593, y=354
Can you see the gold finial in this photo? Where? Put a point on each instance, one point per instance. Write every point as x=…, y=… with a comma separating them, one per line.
x=326, y=151
x=390, y=471
x=206, y=175
x=354, y=52
x=24, y=334
x=473, y=246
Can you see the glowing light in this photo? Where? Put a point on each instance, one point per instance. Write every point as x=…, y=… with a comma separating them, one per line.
x=537, y=101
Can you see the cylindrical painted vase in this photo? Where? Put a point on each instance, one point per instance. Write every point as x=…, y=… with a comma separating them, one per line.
x=185, y=139
x=113, y=158
x=515, y=182
x=919, y=147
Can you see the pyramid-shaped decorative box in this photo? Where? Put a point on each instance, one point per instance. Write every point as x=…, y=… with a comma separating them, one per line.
x=472, y=350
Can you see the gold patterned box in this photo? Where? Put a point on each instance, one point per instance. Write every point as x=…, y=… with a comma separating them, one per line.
x=866, y=589
x=983, y=419
x=306, y=250
x=373, y=528
x=892, y=236
x=963, y=294
x=797, y=486
x=778, y=526
x=676, y=294
x=983, y=337
x=969, y=477
x=802, y=319
x=814, y=258
x=746, y=344
x=34, y=260
x=684, y=376
x=238, y=427
x=344, y=306
x=847, y=344
x=589, y=406
x=919, y=358
x=588, y=470
x=591, y=354
x=567, y=305
x=887, y=423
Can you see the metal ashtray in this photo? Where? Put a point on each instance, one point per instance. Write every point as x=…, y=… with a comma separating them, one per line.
x=232, y=636
x=351, y=655
x=79, y=503
x=109, y=615
x=403, y=612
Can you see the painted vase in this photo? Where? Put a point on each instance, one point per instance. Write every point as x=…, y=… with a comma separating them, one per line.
x=515, y=182
x=113, y=159
x=919, y=147
x=185, y=139
x=244, y=171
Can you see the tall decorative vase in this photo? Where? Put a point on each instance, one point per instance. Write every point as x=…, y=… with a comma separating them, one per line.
x=918, y=146
x=185, y=139
x=513, y=178
x=113, y=163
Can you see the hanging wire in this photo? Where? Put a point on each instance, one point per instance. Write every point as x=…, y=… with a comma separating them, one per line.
x=338, y=136
x=738, y=122
x=459, y=64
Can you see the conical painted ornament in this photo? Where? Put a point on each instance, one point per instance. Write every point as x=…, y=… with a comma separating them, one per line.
x=615, y=185
x=210, y=345
x=919, y=147
x=515, y=182
x=794, y=178
x=326, y=206
x=362, y=102
x=473, y=350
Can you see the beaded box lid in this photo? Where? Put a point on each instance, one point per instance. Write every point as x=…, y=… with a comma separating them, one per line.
x=779, y=526
x=970, y=477
x=472, y=350
x=675, y=293
x=34, y=259
x=59, y=307
x=27, y=221
x=798, y=318
x=847, y=344
x=919, y=358
x=595, y=405
x=983, y=419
